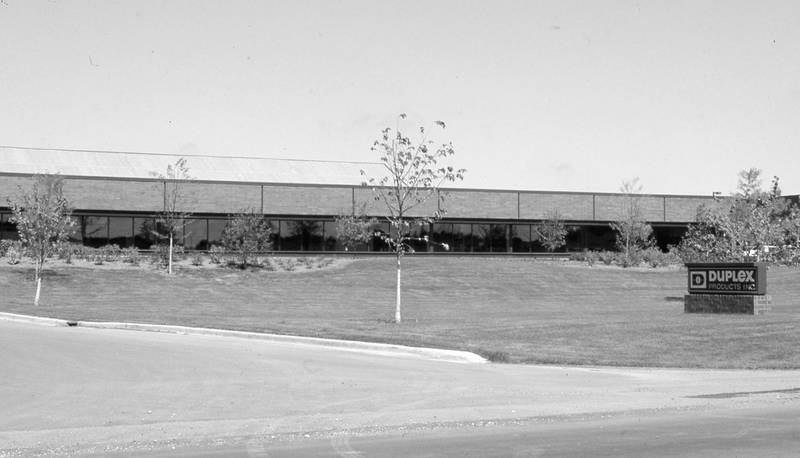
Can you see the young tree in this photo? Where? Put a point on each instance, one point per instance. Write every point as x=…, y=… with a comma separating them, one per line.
x=412, y=176
x=43, y=220
x=352, y=230
x=743, y=226
x=247, y=234
x=552, y=232
x=171, y=220
x=633, y=232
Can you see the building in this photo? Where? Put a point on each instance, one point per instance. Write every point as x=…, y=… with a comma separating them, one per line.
x=116, y=196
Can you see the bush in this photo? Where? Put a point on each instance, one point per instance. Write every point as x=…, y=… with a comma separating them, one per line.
x=110, y=253
x=161, y=251
x=197, y=259
x=14, y=252
x=607, y=257
x=66, y=251
x=5, y=245
x=654, y=257
x=131, y=255
x=216, y=253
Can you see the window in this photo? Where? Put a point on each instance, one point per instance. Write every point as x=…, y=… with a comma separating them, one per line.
x=94, y=231
x=143, y=236
x=8, y=230
x=462, y=238
x=196, y=234
x=521, y=238
x=498, y=238
x=215, y=228
x=481, y=237
x=120, y=231
x=417, y=233
x=332, y=242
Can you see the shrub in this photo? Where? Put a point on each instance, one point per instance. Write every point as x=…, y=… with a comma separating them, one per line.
x=607, y=257
x=66, y=251
x=197, y=259
x=216, y=253
x=111, y=253
x=247, y=234
x=14, y=252
x=654, y=257
x=5, y=245
x=161, y=251
x=131, y=256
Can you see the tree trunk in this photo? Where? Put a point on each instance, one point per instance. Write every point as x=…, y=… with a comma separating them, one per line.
x=38, y=285
x=397, y=318
x=169, y=263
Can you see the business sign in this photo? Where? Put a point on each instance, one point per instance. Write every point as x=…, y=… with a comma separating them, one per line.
x=728, y=278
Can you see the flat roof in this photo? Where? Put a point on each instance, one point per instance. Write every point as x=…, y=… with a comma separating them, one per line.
x=113, y=164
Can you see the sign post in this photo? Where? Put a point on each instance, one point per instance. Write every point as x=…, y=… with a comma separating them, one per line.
x=727, y=288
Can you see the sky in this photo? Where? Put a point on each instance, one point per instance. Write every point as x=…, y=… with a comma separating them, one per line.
x=536, y=95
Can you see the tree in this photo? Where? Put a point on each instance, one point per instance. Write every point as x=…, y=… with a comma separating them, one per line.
x=43, y=220
x=552, y=232
x=633, y=232
x=751, y=223
x=412, y=177
x=171, y=220
x=247, y=234
x=352, y=230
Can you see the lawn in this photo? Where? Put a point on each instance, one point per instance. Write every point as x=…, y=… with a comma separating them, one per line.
x=516, y=309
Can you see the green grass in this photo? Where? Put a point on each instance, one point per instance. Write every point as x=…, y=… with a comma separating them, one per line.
x=510, y=309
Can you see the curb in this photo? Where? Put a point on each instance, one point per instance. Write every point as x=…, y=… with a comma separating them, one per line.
x=435, y=354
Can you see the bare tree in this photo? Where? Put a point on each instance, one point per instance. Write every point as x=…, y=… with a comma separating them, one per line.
x=171, y=220
x=412, y=176
x=43, y=220
x=633, y=232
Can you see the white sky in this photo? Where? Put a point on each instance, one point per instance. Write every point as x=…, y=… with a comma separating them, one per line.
x=546, y=95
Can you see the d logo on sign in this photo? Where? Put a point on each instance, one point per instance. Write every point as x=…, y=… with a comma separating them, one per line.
x=698, y=280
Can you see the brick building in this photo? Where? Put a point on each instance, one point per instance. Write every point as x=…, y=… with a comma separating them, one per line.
x=116, y=196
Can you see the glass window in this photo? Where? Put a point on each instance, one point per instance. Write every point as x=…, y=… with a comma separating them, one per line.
x=332, y=242
x=120, y=231
x=521, y=238
x=417, y=234
x=195, y=234
x=8, y=230
x=462, y=238
x=442, y=234
x=94, y=231
x=215, y=228
x=143, y=237
x=481, y=237
x=498, y=238
x=378, y=244
x=307, y=234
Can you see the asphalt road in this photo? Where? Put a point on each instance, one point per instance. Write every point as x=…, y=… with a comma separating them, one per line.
x=772, y=432
x=76, y=391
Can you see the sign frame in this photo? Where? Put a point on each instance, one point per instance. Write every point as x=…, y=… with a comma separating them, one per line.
x=731, y=278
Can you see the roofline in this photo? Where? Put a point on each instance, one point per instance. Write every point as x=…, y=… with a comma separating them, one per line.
x=140, y=153
x=325, y=185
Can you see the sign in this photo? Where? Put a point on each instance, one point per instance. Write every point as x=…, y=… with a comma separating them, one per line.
x=728, y=278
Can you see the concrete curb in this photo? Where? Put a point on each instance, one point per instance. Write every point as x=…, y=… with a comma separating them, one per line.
x=453, y=356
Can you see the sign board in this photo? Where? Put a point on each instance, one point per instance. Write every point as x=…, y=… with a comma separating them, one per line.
x=728, y=278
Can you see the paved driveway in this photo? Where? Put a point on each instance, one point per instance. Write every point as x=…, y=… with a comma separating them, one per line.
x=82, y=390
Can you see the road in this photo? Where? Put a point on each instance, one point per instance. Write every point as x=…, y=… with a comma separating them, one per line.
x=76, y=391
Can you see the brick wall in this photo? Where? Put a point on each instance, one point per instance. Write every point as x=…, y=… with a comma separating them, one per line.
x=225, y=198
x=570, y=206
x=306, y=200
x=121, y=195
